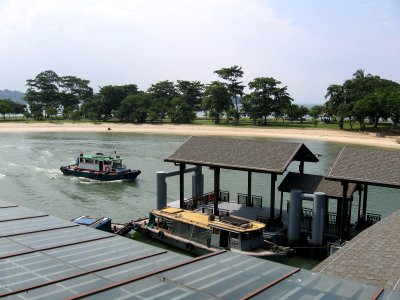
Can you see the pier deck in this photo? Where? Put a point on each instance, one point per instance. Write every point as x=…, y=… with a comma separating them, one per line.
x=372, y=257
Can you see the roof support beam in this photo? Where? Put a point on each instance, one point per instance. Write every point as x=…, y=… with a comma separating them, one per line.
x=365, y=196
x=249, y=180
x=217, y=172
x=272, y=197
x=343, y=213
x=182, y=185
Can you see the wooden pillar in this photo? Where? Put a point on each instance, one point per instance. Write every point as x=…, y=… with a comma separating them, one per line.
x=272, y=197
x=182, y=185
x=365, y=196
x=343, y=217
x=359, y=201
x=216, y=190
x=301, y=167
x=249, y=202
x=280, y=211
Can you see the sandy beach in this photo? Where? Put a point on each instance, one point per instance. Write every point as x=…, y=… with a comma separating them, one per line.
x=338, y=136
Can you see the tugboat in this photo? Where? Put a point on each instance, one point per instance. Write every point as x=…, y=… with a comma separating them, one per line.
x=100, y=167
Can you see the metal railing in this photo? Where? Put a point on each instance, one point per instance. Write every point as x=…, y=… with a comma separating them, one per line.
x=244, y=200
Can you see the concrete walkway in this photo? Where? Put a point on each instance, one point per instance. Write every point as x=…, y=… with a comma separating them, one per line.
x=372, y=257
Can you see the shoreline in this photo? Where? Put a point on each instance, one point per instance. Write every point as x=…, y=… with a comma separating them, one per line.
x=336, y=136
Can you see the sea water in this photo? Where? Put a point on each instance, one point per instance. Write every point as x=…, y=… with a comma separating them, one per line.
x=30, y=175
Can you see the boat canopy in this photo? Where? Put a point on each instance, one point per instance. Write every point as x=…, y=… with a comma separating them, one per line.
x=99, y=156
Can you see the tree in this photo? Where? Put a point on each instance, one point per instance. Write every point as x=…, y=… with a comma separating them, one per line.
x=295, y=112
x=393, y=107
x=303, y=111
x=73, y=90
x=266, y=98
x=92, y=108
x=43, y=92
x=192, y=92
x=8, y=107
x=216, y=100
x=134, y=108
x=336, y=95
x=111, y=97
x=249, y=108
x=317, y=111
x=235, y=87
x=180, y=111
x=161, y=94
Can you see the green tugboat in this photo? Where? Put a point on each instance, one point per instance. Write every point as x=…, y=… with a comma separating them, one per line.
x=100, y=167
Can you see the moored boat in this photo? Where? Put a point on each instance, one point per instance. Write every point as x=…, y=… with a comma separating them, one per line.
x=200, y=233
x=100, y=167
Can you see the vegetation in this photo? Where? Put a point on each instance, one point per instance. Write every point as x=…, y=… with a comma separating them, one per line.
x=8, y=107
x=366, y=100
x=363, y=97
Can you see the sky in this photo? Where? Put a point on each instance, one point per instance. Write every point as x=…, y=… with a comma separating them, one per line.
x=306, y=45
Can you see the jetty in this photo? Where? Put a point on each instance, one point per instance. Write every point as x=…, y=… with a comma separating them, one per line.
x=318, y=224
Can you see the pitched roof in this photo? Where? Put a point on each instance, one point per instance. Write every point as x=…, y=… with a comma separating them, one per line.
x=368, y=166
x=314, y=183
x=241, y=154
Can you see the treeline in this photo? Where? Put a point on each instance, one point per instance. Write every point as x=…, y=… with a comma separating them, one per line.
x=69, y=96
x=8, y=107
x=363, y=97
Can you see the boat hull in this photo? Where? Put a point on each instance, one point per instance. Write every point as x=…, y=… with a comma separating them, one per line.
x=196, y=248
x=101, y=176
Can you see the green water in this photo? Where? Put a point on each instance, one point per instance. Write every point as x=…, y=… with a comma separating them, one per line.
x=30, y=175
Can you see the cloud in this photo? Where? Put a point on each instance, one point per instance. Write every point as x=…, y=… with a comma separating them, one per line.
x=142, y=42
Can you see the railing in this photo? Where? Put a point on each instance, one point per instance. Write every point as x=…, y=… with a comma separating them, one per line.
x=331, y=224
x=373, y=218
x=244, y=200
x=195, y=202
x=224, y=196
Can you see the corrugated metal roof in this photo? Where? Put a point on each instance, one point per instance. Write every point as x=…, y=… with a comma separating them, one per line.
x=369, y=166
x=309, y=183
x=47, y=259
x=246, y=155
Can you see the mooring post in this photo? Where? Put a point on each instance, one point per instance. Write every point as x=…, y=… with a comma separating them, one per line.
x=161, y=190
x=294, y=216
x=197, y=182
x=318, y=221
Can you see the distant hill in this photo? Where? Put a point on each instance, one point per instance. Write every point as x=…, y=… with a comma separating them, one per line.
x=13, y=95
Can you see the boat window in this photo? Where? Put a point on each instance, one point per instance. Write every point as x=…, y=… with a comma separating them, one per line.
x=116, y=164
x=216, y=231
x=234, y=235
x=107, y=162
